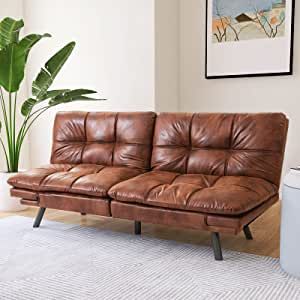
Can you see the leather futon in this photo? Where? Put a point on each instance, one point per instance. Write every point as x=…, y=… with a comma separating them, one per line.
x=215, y=172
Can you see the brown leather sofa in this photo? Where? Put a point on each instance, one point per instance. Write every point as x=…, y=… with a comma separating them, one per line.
x=215, y=172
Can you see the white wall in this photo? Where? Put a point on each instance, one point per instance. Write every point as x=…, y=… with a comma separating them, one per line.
x=166, y=55
x=14, y=9
x=114, y=55
x=234, y=95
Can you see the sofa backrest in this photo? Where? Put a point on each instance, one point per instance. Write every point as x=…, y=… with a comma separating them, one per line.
x=104, y=138
x=221, y=144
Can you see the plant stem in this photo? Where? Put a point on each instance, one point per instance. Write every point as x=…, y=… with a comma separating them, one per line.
x=24, y=129
x=34, y=119
x=10, y=119
x=28, y=117
x=6, y=121
x=4, y=150
x=15, y=166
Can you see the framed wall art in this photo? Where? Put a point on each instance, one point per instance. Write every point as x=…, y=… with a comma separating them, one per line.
x=246, y=38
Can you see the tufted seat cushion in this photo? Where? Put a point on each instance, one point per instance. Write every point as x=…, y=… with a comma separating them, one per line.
x=82, y=179
x=32, y=179
x=229, y=195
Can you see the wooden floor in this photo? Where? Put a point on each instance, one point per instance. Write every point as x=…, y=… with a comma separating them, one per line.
x=265, y=230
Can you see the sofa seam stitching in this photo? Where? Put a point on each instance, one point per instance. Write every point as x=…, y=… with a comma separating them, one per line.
x=115, y=139
x=230, y=145
x=85, y=136
x=221, y=149
x=152, y=146
x=74, y=181
x=190, y=144
x=44, y=178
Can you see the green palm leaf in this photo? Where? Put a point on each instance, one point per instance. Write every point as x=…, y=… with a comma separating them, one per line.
x=12, y=62
x=54, y=93
x=57, y=97
x=74, y=95
x=30, y=40
x=13, y=59
x=62, y=100
x=47, y=75
x=9, y=31
x=77, y=92
x=28, y=105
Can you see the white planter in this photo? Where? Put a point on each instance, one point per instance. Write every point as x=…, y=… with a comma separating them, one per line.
x=7, y=202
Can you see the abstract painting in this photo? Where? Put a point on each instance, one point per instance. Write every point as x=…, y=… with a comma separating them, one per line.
x=237, y=30
x=237, y=20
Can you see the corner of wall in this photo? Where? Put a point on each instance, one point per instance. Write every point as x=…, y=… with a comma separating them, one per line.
x=166, y=55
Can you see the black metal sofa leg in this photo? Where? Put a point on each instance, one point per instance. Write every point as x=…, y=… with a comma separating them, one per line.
x=39, y=217
x=248, y=233
x=137, y=227
x=216, y=243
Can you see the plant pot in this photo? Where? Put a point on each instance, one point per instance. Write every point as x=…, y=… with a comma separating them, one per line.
x=7, y=202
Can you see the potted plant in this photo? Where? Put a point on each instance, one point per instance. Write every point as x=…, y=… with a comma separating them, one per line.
x=14, y=52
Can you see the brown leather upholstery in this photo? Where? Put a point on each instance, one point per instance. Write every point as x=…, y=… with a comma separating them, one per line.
x=29, y=202
x=229, y=195
x=156, y=215
x=103, y=138
x=215, y=222
x=82, y=204
x=212, y=171
x=24, y=194
x=82, y=179
x=187, y=219
x=221, y=144
x=31, y=180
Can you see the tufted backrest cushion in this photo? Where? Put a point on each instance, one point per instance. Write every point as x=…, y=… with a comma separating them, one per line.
x=104, y=138
x=221, y=144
